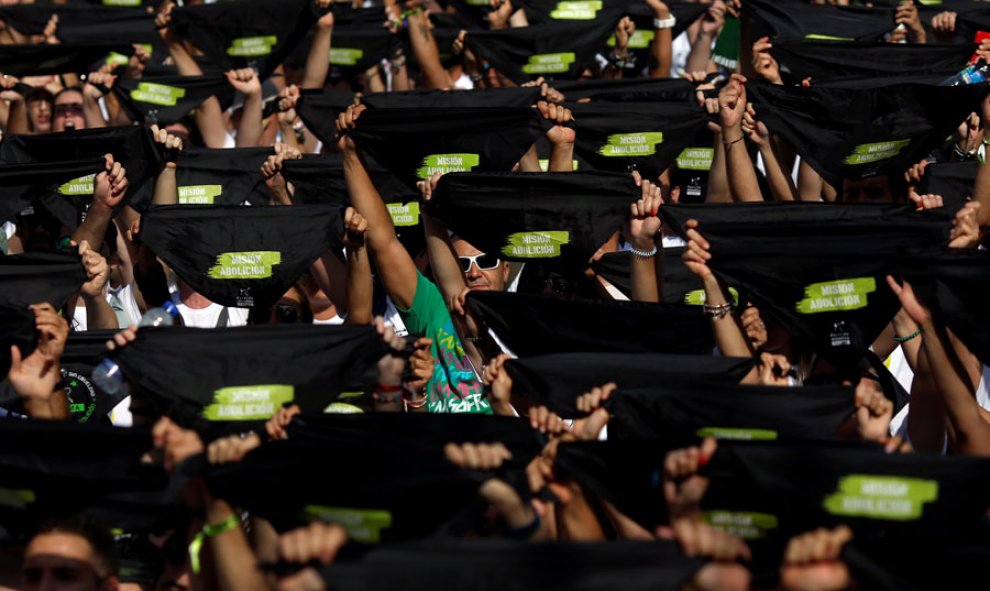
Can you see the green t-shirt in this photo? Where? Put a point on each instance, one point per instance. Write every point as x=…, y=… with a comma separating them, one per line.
x=453, y=387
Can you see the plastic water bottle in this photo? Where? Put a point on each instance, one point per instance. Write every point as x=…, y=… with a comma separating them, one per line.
x=108, y=375
x=974, y=74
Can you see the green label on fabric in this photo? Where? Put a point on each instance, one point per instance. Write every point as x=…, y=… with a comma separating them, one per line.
x=639, y=40
x=748, y=526
x=404, y=214
x=444, y=163
x=342, y=408
x=536, y=245
x=549, y=63
x=116, y=59
x=837, y=296
x=362, y=525
x=738, y=434
x=584, y=10
x=248, y=403
x=17, y=498
x=77, y=407
x=869, y=153
x=252, y=46
x=122, y=3
x=631, y=144
x=157, y=94
x=545, y=165
x=697, y=297
x=695, y=158
x=245, y=265
x=349, y=395
x=817, y=37
x=199, y=194
x=486, y=3
x=345, y=56
x=881, y=497
x=80, y=186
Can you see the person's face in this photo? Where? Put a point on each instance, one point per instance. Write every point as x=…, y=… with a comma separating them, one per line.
x=871, y=190
x=483, y=273
x=61, y=561
x=68, y=112
x=40, y=112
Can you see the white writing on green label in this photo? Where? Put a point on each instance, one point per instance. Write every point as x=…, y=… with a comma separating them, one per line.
x=157, y=94
x=869, y=153
x=837, y=296
x=576, y=10
x=444, y=163
x=738, y=434
x=80, y=186
x=404, y=214
x=363, y=525
x=536, y=245
x=640, y=39
x=748, y=526
x=698, y=298
x=252, y=46
x=199, y=194
x=345, y=56
x=248, y=403
x=545, y=165
x=549, y=63
x=245, y=265
x=881, y=497
x=118, y=59
x=695, y=158
x=632, y=144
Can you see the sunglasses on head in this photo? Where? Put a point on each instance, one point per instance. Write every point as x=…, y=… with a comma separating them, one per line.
x=485, y=262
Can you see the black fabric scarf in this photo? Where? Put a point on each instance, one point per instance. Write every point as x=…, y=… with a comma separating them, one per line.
x=84, y=24
x=454, y=99
x=793, y=19
x=828, y=59
x=61, y=58
x=22, y=185
x=632, y=89
x=319, y=109
x=168, y=99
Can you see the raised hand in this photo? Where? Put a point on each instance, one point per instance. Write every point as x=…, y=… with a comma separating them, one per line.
x=873, y=411
x=909, y=302
x=110, y=185
x=812, y=563
x=696, y=255
x=683, y=487
x=245, y=81
x=643, y=223
x=36, y=377
x=966, y=227
x=559, y=133
x=171, y=144
x=346, y=121
x=732, y=106
x=764, y=63
x=97, y=271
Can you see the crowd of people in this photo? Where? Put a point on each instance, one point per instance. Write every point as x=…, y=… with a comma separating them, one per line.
x=494, y=294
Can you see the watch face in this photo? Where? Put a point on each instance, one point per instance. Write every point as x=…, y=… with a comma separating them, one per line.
x=81, y=394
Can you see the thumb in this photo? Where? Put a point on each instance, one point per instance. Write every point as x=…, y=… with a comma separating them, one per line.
x=15, y=358
x=594, y=425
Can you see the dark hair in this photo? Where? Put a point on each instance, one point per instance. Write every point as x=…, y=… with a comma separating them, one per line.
x=78, y=89
x=39, y=93
x=99, y=538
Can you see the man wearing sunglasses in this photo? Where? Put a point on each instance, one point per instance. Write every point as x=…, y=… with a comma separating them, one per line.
x=482, y=272
x=71, y=554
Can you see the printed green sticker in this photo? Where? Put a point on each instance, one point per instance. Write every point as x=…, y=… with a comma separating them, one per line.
x=116, y=59
x=17, y=498
x=444, y=163
x=545, y=165
x=362, y=525
x=349, y=395
x=748, y=526
x=549, y=63
x=252, y=46
x=342, y=408
x=345, y=56
x=80, y=186
x=131, y=3
x=881, y=497
x=248, y=403
x=818, y=37
x=404, y=214
x=536, y=245
x=640, y=39
x=199, y=194
x=695, y=158
x=698, y=298
x=738, y=434
x=580, y=10
x=157, y=94
x=632, y=144
x=245, y=265
x=869, y=153
x=837, y=296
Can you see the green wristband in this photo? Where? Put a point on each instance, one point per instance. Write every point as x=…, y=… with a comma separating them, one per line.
x=209, y=531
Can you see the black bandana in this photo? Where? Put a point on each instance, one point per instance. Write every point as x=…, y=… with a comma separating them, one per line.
x=827, y=59
x=361, y=46
x=633, y=89
x=34, y=278
x=88, y=403
x=61, y=58
x=241, y=256
x=84, y=24
x=679, y=284
x=874, y=129
x=455, y=99
x=793, y=19
x=532, y=325
x=954, y=181
x=167, y=99
x=22, y=185
x=319, y=109
x=246, y=33
x=248, y=373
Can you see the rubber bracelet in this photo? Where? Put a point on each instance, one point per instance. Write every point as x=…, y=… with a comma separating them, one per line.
x=209, y=531
x=913, y=335
x=665, y=23
x=521, y=533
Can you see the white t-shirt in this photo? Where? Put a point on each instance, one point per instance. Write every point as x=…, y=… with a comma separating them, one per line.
x=209, y=316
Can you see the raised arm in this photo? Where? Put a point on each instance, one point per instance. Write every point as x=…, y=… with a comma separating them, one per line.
x=661, y=49
x=561, y=138
x=318, y=60
x=247, y=83
x=781, y=185
x=166, y=190
x=641, y=232
x=109, y=188
x=359, y=285
x=742, y=175
x=443, y=260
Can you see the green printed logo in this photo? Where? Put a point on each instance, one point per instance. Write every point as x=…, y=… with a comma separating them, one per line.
x=868, y=153
x=444, y=163
x=363, y=525
x=818, y=37
x=478, y=2
x=199, y=194
x=342, y=408
x=837, y=296
x=695, y=158
x=698, y=298
x=252, y=46
x=632, y=144
x=349, y=395
x=17, y=498
x=545, y=165
x=738, y=434
x=549, y=63
x=583, y=10
x=404, y=214
x=245, y=265
x=640, y=39
x=131, y=3
x=80, y=186
x=881, y=497
x=119, y=59
x=345, y=56
x=748, y=526
x=248, y=403
x=157, y=94
x=536, y=245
